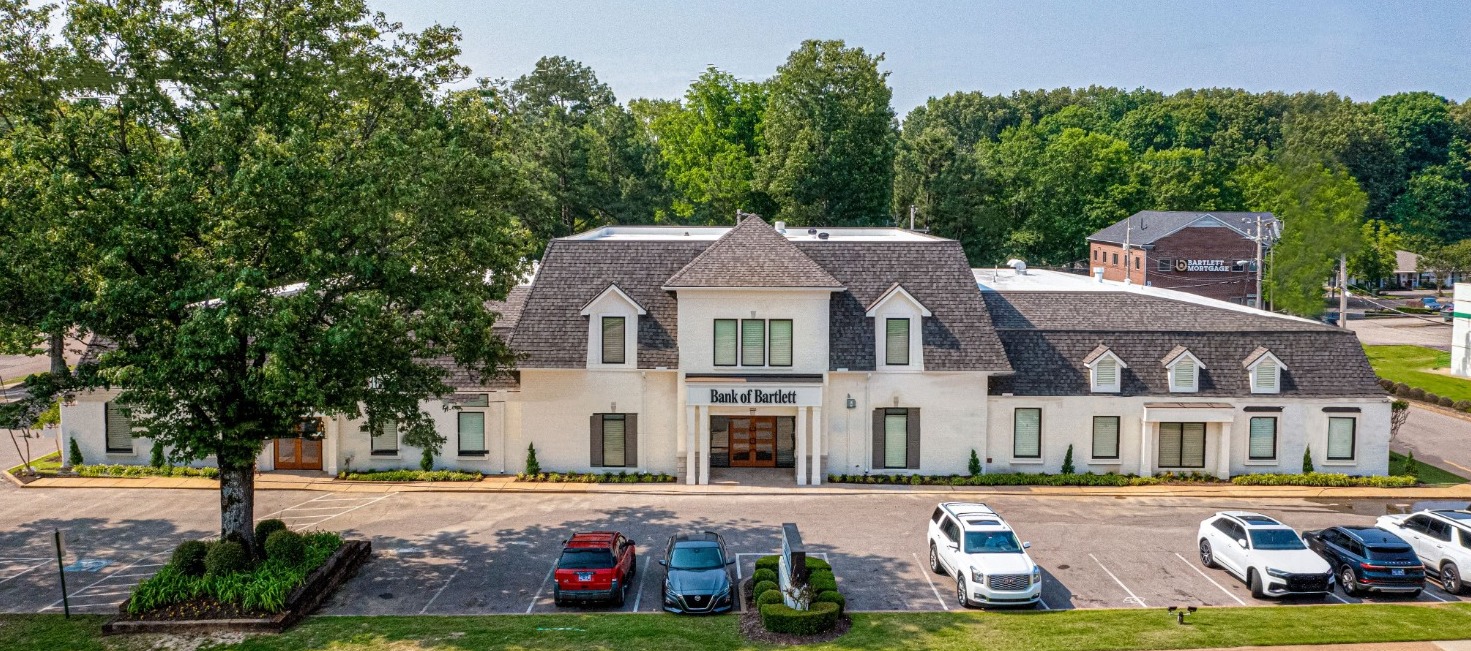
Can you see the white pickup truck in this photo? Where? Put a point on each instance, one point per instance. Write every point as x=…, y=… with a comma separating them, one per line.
x=976, y=546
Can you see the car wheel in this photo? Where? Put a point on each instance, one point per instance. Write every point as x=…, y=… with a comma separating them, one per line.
x=1450, y=578
x=935, y=561
x=1207, y=558
x=618, y=591
x=557, y=598
x=1349, y=582
x=1415, y=594
x=1254, y=582
x=961, y=596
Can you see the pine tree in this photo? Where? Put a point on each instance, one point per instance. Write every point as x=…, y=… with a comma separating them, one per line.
x=1067, y=462
x=532, y=466
x=74, y=454
x=1307, y=460
x=975, y=463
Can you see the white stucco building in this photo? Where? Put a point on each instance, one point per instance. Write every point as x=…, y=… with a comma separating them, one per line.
x=688, y=350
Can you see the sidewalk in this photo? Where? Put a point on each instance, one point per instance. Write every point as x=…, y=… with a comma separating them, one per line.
x=508, y=484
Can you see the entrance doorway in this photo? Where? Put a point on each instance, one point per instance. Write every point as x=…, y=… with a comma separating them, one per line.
x=303, y=449
x=752, y=441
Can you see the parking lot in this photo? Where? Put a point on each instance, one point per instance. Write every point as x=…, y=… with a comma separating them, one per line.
x=456, y=553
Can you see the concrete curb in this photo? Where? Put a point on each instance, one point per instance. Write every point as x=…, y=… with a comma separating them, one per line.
x=1452, y=413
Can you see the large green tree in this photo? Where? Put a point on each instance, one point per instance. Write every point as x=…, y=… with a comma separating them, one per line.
x=299, y=222
x=829, y=136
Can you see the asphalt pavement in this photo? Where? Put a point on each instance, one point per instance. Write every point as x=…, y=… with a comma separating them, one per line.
x=1437, y=439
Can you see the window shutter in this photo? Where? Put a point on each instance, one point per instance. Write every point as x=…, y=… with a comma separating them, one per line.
x=1106, y=373
x=1262, y=438
x=613, y=339
x=1341, y=438
x=1192, y=445
x=913, y=439
x=725, y=342
x=878, y=439
x=1185, y=375
x=630, y=441
x=1169, y=445
x=896, y=342
x=1027, y=433
x=1105, y=437
x=781, y=342
x=1266, y=376
x=385, y=440
x=595, y=445
x=472, y=432
x=119, y=429
x=753, y=342
x=896, y=438
x=615, y=440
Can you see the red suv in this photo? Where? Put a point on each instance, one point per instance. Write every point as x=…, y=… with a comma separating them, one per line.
x=595, y=566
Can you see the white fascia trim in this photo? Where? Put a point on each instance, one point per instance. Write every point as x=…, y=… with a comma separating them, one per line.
x=897, y=291
x=1259, y=360
x=613, y=289
x=1183, y=355
x=1109, y=353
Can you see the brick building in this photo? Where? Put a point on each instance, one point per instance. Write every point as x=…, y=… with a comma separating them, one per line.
x=1205, y=253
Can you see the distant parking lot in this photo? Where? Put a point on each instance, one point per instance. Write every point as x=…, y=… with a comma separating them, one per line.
x=453, y=553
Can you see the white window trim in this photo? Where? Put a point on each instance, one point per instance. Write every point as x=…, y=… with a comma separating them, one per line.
x=1174, y=386
x=897, y=303
x=1253, y=368
x=612, y=302
x=1118, y=378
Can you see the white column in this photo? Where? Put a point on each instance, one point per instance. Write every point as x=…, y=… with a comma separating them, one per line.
x=691, y=470
x=817, y=446
x=802, y=446
x=702, y=433
x=1223, y=451
x=1144, y=468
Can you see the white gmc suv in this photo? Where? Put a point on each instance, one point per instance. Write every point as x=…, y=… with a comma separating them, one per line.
x=1268, y=555
x=1442, y=540
x=973, y=543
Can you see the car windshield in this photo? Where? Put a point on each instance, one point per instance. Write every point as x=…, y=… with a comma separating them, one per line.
x=991, y=542
x=696, y=557
x=585, y=559
x=1275, y=539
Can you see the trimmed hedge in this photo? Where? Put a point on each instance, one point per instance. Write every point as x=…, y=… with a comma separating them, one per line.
x=773, y=563
x=621, y=477
x=224, y=558
x=1028, y=479
x=285, y=546
x=263, y=530
x=763, y=574
x=769, y=597
x=779, y=618
x=409, y=475
x=823, y=583
x=125, y=470
x=189, y=557
x=1323, y=479
x=763, y=586
x=833, y=597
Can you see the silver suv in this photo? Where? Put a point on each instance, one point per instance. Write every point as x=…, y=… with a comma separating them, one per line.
x=976, y=546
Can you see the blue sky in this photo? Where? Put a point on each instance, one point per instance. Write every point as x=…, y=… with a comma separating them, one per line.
x=654, y=48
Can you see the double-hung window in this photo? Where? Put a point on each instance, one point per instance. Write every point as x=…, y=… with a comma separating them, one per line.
x=1262, y=439
x=780, y=349
x=614, y=440
x=1027, y=433
x=753, y=342
x=896, y=342
x=385, y=439
x=896, y=438
x=727, y=343
x=1182, y=445
x=119, y=429
x=1105, y=437
x=1341, y=434
x=614, y=338
x=472, y=433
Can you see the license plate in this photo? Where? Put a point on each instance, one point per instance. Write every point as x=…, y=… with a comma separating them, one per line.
x=1398, y=571
x=584, y=576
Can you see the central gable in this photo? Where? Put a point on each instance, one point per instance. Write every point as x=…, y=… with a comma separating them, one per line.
x=752, y=254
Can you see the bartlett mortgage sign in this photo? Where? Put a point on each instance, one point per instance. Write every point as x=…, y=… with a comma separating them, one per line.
x=1184, y=264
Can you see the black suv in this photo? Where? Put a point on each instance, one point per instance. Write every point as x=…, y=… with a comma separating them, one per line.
x=697, y=574
x=1369, y=559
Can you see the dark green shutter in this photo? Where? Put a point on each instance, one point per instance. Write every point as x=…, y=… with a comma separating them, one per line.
x=913, y=442
x=878, y=439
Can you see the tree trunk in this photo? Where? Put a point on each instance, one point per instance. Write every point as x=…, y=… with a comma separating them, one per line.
x=237, y=504
x=56, y=347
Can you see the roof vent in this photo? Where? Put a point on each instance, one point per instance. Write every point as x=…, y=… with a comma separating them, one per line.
x=811, y=231
x=1018, y=265
x=1098, y=274
x=781, y=227
x=822, y=236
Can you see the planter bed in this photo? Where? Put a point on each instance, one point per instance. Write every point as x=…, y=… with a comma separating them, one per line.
x=597, y=478
x=408, y=475
x=185, y=617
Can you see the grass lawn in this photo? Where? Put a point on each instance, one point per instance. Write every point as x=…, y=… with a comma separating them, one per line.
x=46, y=465
x=1415, y=366
x=1078, y=630
x=1428, y=474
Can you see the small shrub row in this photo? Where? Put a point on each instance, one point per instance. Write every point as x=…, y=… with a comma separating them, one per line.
x=773, y=563
x=763, y=574
x=124, y=470
x=1028, y=479
x=409, y=475
x=779, y=618
x=221, y=571
x=1324, y=479
x=1402, y=390
x=621, y=477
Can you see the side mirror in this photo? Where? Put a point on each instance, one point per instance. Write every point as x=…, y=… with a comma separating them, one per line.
x=730, y=562
x=1242, y=542
x=1026, y=545
x=955, y=546
x=664, y=562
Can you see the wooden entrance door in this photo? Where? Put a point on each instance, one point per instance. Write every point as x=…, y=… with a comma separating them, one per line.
x=753, y=442
x=302, y=450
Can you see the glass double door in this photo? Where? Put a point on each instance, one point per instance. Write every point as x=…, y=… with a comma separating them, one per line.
x=752, y=441
x=302, y=450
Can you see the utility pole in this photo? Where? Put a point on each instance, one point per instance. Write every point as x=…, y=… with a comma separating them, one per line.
x=1258, y=301
x=1342, y=291
x=911, y=216
x=1128, y=235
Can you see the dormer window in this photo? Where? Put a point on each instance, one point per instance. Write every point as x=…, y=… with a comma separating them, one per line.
x=614, y=339
x=1184, y=370
x=1105, y=370
x=1265, y=371
x=897, y=322
x=896, y=342
x=612, y=328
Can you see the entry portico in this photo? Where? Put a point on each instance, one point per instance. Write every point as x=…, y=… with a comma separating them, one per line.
x=751, y=418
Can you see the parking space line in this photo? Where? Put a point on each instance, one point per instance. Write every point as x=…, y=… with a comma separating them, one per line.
x=638, y=596
x=1334, y=593
x=1432, y=595
x=537, y=597
x=99, y=581
x=18, y=574
x=440, y=591
x=926, y=572
x=375, y=501
x=1121, y=583
x=1208, y=578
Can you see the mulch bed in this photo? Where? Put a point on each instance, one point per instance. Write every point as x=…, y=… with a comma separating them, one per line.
x=752, y=629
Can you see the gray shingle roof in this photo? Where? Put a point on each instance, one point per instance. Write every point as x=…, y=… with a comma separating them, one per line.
x=752, y=254
x=1048, y=335
x=1150, y=225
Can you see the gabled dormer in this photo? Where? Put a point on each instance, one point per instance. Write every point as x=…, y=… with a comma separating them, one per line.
x=612, y=329
x=1105, y=370
x=898, y=319
x=1184, y=370
x=1265, y=370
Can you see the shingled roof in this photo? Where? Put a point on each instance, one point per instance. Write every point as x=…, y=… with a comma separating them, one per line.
x=1049, y=334
x=1146, y=226
x=752, y=254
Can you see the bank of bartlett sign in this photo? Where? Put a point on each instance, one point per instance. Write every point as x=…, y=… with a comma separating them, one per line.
x=749, y=395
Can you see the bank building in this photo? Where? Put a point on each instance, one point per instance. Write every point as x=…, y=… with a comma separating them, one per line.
x=803, y=352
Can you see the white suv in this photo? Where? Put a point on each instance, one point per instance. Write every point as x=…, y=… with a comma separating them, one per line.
x=1268, y=555
x=1442, y=540
x=990, y=567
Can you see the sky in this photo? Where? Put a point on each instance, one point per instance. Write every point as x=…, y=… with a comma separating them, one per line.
x=655, y=48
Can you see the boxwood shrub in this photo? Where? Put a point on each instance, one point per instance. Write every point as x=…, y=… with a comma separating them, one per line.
x=769, y=597
x=189, y=557
x=823, y=583
x=262, y=589
x=286, y=546
x=833, y=597
x=224, y=558
x=409, y=475
x=763, y=574
x=772, y=563
x=1323, y=479
x=778, y=618
x=763, y=586
x=1446, y=402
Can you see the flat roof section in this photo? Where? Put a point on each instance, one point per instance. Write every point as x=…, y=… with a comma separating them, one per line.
x=712, y=233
